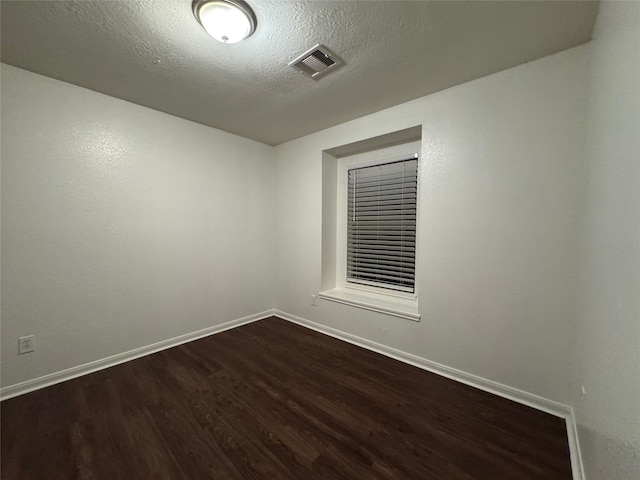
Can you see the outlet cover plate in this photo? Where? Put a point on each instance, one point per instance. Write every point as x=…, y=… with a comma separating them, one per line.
x=26, y=344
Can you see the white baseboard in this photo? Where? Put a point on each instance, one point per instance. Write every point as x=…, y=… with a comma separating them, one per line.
x=74, y=372
x=577, y=466
x=505, y=391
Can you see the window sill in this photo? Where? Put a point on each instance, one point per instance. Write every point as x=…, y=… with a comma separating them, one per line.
x=397, y=307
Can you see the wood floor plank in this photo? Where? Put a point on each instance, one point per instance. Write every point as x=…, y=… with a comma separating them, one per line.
x=273, y=400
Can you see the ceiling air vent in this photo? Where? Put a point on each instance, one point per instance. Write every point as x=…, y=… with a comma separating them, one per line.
x=316, y=62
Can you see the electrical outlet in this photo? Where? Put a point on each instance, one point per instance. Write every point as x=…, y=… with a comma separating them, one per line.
x=314, y=300
x=26, y=344
x=583, y=390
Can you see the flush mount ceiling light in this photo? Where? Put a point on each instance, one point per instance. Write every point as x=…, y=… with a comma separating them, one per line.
x=228, y=21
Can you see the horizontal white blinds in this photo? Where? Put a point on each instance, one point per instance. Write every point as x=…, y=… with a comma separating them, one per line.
x=381, y=224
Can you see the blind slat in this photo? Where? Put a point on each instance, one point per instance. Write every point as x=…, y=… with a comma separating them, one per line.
x=363, y=238
x=380, y=276
x=406, y=273
x=381, y=192
x=368, y=253
x=384, y=224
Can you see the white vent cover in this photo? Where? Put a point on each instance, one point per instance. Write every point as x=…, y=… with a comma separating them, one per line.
x=316, y=61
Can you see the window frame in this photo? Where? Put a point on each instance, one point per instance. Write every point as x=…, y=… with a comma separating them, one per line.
x=405, y=151
x=358, y=268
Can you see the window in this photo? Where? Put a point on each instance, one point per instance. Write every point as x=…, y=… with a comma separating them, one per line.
x=370, y=224
x=381, y=224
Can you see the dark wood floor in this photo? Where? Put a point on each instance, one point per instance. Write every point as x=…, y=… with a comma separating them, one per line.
x=272, y=400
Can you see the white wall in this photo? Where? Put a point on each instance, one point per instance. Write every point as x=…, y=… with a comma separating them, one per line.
x=608, y=330
x=122, y=226
x=499, y=205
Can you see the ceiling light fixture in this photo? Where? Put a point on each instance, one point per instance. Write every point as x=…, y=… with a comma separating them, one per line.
x=228, y=21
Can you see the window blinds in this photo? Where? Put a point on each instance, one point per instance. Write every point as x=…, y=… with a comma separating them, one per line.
x=381, y=224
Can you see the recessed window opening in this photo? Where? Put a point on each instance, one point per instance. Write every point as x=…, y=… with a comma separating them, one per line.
x=370, y=224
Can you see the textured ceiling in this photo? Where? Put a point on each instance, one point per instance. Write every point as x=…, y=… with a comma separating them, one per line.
x=154, y=53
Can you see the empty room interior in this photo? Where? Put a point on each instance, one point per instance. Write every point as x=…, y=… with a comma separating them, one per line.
x=285, y=239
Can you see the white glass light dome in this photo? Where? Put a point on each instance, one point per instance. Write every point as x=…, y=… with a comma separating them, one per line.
x=228, y=21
